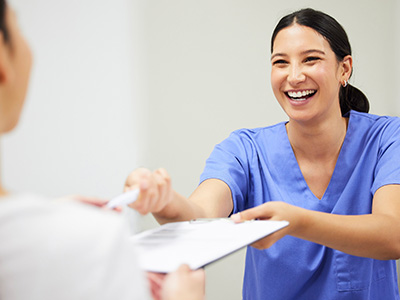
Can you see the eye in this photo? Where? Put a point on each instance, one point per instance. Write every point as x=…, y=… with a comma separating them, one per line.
x=312, y=59
x=279, y=62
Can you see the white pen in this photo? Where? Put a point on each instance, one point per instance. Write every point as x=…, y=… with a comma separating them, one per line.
x=124, y=199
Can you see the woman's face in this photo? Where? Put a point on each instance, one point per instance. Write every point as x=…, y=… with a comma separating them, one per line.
x=306, y=75
x=16, y=60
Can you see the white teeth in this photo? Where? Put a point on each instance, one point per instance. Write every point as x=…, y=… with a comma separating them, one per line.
x=300, y=93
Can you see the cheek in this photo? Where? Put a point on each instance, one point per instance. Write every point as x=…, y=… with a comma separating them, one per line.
x=324, y=75
x=277, y=82
x=277, y=78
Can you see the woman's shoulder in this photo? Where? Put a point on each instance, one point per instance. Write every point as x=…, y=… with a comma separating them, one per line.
x=255, y=133
x=252, y=138
x=375, y=123
x=374, y=118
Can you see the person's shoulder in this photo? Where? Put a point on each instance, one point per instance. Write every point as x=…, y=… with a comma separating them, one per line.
x=376, y=122
x=44, y=219
x=52, y=245
x=90, y=223
x=373, y=117
x=259, y=131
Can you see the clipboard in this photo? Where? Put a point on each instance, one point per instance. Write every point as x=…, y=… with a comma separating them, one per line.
x=197, y=243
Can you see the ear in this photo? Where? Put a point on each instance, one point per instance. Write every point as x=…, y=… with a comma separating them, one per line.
x=6, y=70
x=347, y=68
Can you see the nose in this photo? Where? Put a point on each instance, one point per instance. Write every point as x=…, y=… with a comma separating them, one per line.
x=296, y=75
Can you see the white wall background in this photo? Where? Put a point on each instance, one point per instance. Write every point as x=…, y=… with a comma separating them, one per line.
x=80, y=127
x=118, y=84
x=396, y=37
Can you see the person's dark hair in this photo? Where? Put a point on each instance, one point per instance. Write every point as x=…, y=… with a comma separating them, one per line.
x=3, y=27
x=350, y=97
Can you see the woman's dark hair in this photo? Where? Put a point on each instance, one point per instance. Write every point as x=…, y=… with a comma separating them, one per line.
x=349, y=96
x=3, y=27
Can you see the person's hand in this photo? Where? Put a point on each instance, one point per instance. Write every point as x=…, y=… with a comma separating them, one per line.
x=184, y=284
x=98, y=202
x=155, y=190
x=156, y=281
x=275, y=211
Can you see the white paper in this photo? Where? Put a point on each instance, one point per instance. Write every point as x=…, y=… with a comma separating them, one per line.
x=198, y=243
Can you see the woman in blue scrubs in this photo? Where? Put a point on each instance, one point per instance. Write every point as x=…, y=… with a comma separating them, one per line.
x=332, y=171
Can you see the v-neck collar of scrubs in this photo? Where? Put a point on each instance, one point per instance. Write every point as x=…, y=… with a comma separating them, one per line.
x=338, y=179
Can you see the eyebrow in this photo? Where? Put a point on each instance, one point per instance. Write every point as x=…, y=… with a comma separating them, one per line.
x=303, y=53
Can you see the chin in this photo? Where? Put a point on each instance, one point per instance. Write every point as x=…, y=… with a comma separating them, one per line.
x=300, y=116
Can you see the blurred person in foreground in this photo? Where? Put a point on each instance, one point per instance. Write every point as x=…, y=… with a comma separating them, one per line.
x=65, y=249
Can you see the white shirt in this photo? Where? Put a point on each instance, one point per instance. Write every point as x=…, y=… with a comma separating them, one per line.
x=65, y=251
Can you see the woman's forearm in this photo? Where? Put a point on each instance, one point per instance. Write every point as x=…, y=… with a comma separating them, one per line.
x=373, y=235
x=179, y=209
x=211, y=199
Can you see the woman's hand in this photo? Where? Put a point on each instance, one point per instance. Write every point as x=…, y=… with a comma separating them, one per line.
x=155, y=190
x=274, y=211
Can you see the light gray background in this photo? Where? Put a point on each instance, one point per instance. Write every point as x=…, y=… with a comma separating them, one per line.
x=157, y=83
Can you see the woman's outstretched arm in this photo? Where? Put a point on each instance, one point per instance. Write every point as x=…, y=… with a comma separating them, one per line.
x=212, y=198
x=375, y=235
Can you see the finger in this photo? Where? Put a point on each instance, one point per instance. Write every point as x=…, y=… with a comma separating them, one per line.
x=134, y=178
x=184, y=268
x=139, y=179
x=164, y=174
x=92, y=200
x=199, y=276
x=259, y=212
x=156, y=281
x=160, y=183
x=168, y=185
x=142, y=202
x=163, y=186
x=155, y=278
x=153, y=193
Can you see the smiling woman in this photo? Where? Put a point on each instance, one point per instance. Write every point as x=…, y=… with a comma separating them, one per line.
x=335, y=35
x=331, y=170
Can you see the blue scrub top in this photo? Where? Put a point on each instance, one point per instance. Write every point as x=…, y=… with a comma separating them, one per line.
x=259, y=166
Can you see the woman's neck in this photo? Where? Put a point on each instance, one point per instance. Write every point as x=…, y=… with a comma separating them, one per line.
x=321, y=141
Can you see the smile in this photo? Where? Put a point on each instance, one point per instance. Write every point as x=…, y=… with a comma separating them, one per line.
x=300, y=95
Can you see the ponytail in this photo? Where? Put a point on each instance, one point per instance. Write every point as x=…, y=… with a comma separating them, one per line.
x=351, y=98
